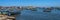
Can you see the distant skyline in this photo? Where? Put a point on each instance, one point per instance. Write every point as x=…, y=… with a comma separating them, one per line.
x=29, y=2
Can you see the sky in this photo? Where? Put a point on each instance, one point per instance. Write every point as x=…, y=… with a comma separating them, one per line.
x=29, y=2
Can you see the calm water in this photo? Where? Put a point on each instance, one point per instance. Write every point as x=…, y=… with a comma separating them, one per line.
x=38, y=15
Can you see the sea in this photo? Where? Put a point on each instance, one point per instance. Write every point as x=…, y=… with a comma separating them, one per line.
x=39, y=15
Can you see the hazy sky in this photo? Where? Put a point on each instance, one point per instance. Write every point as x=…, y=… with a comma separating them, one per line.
x=29, y=2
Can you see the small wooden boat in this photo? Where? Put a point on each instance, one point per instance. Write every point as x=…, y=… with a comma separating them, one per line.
x=47, y=11
x=5, y=16
x=33, y=9
x=58, y=8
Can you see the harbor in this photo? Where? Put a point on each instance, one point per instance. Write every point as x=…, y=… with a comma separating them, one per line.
x=29, y=13
x=8, y=14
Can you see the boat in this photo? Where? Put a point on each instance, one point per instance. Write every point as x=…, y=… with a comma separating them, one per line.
x=58, y=8
x=8, y=15
x=47, y=10
x=33, y=9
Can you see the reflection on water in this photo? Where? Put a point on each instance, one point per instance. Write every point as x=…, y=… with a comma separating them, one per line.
x=39, y=15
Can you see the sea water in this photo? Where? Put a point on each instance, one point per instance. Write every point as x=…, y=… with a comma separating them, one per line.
x=39, y=15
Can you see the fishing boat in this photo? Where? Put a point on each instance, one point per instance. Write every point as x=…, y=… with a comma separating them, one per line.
x=47, y=10
x=58, y=8
x=7, y=15
x=33, y=9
